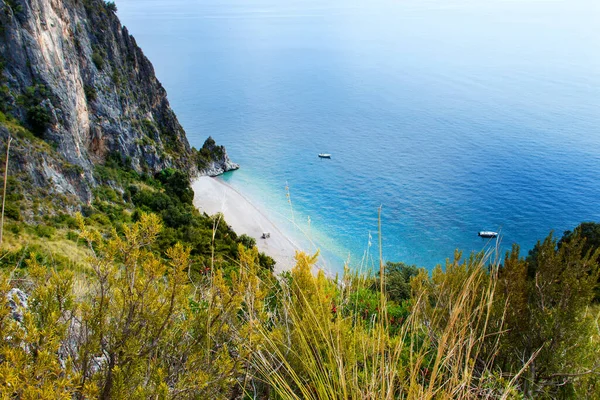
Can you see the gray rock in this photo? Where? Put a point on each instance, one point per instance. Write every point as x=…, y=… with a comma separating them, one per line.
x=97, y=364
x=17, y=301
x=100, y=94
x=218, y=161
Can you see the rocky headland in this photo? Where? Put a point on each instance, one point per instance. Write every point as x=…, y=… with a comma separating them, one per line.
x=75, y=91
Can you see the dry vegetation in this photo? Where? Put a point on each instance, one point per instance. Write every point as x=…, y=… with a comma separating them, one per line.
x=129, y=322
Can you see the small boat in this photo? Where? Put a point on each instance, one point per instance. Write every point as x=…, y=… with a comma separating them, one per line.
x=487, y=234
x=324, y=155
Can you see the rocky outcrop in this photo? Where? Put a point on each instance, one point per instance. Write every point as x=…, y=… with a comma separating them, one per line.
x=73, y=75
x=17, y=302
x=213, y=159
x=219, y=167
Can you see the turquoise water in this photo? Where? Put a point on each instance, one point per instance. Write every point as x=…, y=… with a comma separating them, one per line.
x=454, y=116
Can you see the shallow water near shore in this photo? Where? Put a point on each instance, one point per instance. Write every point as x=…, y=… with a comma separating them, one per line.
x=454, y=116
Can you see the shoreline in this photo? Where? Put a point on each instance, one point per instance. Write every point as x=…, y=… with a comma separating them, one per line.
x=212, y=195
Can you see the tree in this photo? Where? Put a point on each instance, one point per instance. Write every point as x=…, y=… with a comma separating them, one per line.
x=397, y=280
x=111, y=6
x=177, y=184
x=587, y=231
x=544, y=302
x=248, y=241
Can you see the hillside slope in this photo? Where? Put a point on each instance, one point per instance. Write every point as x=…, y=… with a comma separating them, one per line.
x=75, y=78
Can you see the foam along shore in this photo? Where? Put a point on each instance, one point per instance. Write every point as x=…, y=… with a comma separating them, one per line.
x=212, y=196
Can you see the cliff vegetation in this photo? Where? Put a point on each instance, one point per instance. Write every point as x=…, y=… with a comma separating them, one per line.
x=117, y=305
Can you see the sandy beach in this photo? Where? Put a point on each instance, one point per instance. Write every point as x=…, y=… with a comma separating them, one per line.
x=212, y=196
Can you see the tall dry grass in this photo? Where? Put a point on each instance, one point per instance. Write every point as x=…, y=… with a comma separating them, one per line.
x=444, y=350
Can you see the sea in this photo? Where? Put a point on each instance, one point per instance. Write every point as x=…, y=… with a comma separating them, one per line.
x=445, y=117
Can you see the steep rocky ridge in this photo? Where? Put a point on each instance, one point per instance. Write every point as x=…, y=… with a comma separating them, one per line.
x=72, y=75
x=212, y=160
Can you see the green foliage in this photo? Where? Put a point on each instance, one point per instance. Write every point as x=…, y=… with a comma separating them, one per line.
x=15, y=6
x=590, y=231
x=14, y=197
x=4, y=98
x=39, y=116
x=176, y=184
x=15, y=229
x=148, y=126
x=169, y=195
x=397, y=280
x=266, y=262
x=12, y=211
x=116, y=77
x=140, y=329
x=90, y=91
x=72, y=168
x=247, y=241
x=111, y=6
x=544, y=301
x=16, y=128
x=208, y=153
x=98, y=60
x=45, y=231
x=151, y=324
x=117, y=171
x=30, y=364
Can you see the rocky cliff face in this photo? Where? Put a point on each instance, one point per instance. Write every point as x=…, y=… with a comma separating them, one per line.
x=75, y=78
x=212, y=160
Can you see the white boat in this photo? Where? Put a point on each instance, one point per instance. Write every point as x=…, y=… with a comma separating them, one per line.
x=488, y=234
x=324, y=155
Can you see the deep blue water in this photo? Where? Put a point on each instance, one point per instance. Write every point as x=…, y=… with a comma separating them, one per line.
x=455, y=116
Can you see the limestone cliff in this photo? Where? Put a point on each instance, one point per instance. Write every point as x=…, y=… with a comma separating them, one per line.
x=212, y=160
x=72, y=75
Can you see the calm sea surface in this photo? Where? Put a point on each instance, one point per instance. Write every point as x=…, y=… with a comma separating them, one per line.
x=455, y=116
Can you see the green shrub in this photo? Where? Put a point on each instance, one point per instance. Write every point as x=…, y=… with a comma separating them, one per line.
x=16, y=229
x=247, y=241
x=39, y=116
x=73, y=236
x=90, y=92
x=72, y=168
x=148, y=126
x=100, y=219
x=397, y=280
x=111, y=6
x=4, y=98
x=98, y=60
x=45, y=231
x=267, y=262
x=116, y=77
x=106, y=193
x=544, y=305
x=65, y=220
x=176, y=183
x=12, y=211
x=16, y=7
